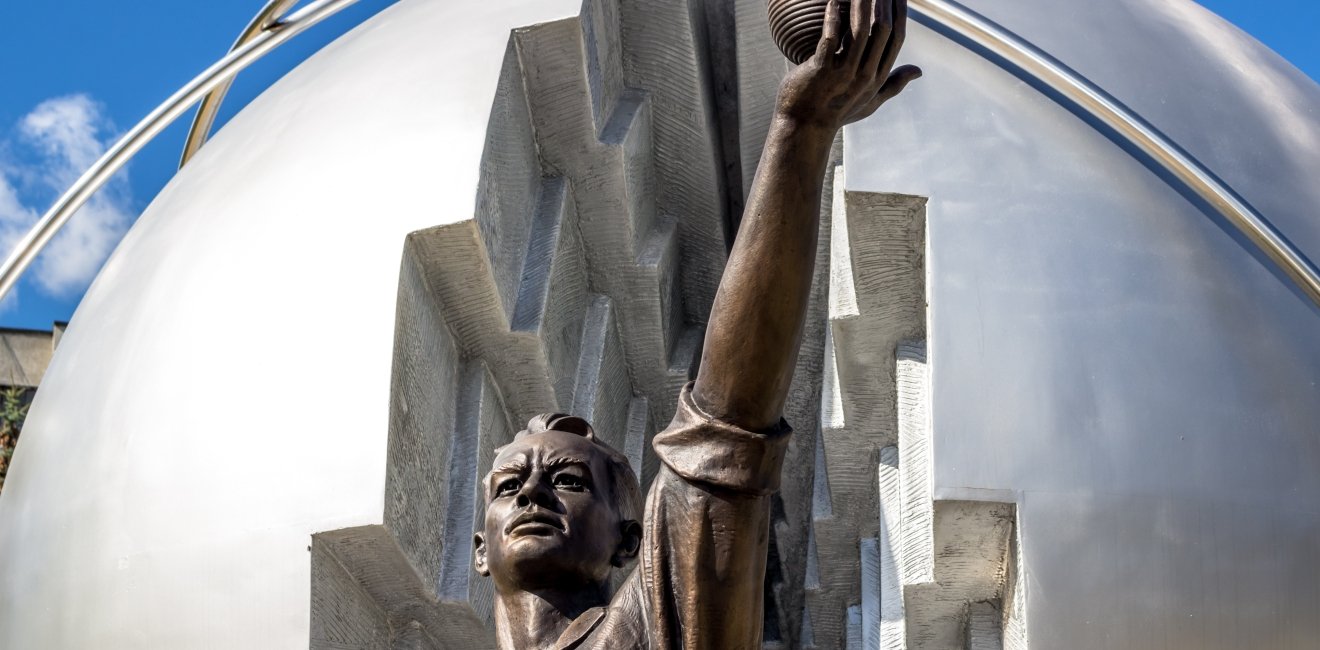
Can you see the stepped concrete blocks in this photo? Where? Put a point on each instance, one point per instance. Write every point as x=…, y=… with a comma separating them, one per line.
x=424, y=405
x=641, y=430
x=853, y=627
x=971, y=544
x=893, y=627
x=603, y=41
x=969, y=562
x=876, y=300
x=447, y=418
x=534, y=363
x=632, y=253
x=917, y=506
x=379, y=569
x=604, y=394
x=947, y=554
x=414, y=637
x=1015, y=596
x=553, y=294
x=343, y=614
x=932, y=558
x=509, y=182
x=985, y=627
x=480, y=428
x=682, y=367
x=808, y=634
x=871, y=564
x=829, y=584
x=498, y=321
x=663, y=56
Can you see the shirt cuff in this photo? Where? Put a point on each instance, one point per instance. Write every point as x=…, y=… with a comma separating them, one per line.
x=702, y=449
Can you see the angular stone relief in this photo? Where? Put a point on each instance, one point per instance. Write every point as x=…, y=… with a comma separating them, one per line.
x=581, y=284
x=564, y=292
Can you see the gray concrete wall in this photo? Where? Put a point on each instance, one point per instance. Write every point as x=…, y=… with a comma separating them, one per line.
x=25, y=354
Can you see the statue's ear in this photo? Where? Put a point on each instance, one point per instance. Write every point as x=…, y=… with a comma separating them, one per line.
x=630, y=542
x=479, y=554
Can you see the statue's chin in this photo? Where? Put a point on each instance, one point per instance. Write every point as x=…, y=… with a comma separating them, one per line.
x=535, y=562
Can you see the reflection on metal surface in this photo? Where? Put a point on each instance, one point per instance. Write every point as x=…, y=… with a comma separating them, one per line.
x=118, y=155
x=266, y=32
x=1107, y=353
x=268, y=19
x=1129, y=126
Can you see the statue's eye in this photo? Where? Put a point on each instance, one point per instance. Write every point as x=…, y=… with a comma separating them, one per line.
x=508, y=487
x=567, y=481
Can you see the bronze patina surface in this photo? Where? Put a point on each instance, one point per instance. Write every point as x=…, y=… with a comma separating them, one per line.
x=563, y=510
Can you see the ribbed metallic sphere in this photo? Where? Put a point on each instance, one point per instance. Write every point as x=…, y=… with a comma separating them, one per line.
x=796, y=25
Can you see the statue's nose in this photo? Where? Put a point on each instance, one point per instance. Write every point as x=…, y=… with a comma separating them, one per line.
x=532, y=492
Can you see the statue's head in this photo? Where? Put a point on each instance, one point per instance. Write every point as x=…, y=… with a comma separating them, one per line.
x=562, y=509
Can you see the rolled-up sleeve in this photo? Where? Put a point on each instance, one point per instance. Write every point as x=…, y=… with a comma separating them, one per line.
x=706, y=531
x=702, y=449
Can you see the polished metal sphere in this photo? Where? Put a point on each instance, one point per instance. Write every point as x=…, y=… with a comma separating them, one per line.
x=796, y=25
x=1103, y=354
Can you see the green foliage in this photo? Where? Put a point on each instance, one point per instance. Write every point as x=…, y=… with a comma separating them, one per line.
x=14, y=402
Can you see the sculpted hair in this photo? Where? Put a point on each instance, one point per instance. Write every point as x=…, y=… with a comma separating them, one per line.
x=624, y=486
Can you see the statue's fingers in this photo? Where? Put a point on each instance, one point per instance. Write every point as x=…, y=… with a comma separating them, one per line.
x=895, y=85
x=878, y=45
x=832, y=36
x=884, y=14
x=862, y=13
x=896, y=40
x=897, y=81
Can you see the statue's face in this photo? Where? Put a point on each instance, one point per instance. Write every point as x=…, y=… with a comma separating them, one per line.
x=550, y=517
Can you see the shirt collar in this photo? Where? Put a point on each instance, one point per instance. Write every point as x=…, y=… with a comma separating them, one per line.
x=580, y=628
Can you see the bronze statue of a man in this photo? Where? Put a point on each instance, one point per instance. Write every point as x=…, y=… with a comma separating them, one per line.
x=563, y=510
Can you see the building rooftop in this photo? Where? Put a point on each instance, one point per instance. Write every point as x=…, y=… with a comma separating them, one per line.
x=25, y=354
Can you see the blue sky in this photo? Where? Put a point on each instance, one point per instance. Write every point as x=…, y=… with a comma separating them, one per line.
x=75, y=74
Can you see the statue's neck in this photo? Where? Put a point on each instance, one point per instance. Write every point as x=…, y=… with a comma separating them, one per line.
x=534, y=620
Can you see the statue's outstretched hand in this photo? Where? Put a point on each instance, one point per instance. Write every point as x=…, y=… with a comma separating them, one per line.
x=852, y=72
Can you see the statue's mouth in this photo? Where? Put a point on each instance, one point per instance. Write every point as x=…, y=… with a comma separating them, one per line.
x=533, y=523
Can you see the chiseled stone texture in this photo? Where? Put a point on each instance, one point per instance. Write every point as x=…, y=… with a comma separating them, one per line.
x=985, y=627
x=564, y=292
x=343, y=614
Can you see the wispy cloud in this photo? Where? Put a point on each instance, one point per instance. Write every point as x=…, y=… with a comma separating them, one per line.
x=59, y=140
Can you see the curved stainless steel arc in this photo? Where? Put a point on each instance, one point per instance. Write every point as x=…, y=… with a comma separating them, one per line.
x=1134, y=129
x=122, y=151
x=266, y=19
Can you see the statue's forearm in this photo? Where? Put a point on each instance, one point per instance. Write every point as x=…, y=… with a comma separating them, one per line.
x=756, y=322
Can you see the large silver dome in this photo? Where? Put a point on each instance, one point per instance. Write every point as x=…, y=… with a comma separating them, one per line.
x=1108, y=416
x=1106, y=351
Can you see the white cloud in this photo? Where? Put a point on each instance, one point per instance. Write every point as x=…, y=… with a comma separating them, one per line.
x=63, y=136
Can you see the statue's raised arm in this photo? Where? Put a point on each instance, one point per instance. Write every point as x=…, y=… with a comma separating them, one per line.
x=756, y=323
x=564, y=511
